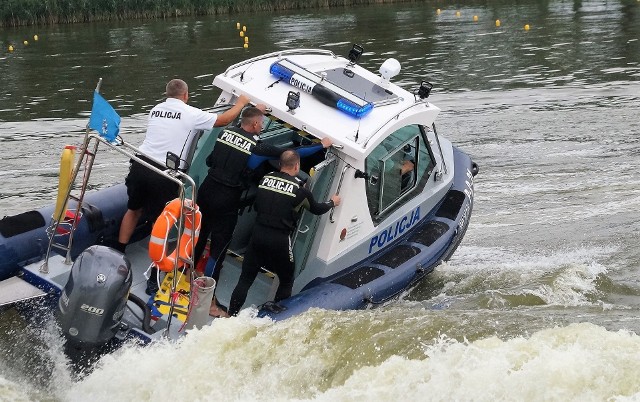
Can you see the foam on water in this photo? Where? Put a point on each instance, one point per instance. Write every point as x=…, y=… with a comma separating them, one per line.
x=498, y=278
x=10, y=391
x=333, y=356
x=578, y=362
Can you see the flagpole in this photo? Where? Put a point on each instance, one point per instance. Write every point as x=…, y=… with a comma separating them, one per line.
x=84, y=151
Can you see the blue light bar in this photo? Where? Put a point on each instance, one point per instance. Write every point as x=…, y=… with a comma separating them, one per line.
x=354, y=110
x=281, y=71
x=324, y=91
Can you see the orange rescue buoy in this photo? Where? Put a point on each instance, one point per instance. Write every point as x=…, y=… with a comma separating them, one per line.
x=160, y=233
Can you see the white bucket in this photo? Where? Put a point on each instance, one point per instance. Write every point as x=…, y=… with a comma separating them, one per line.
x=200, y=303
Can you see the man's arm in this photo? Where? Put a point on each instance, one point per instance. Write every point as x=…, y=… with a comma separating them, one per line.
x=231, y=114
x=263, y=151
x=318, y=208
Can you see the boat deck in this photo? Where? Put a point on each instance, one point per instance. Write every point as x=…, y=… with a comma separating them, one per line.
x=264, y=286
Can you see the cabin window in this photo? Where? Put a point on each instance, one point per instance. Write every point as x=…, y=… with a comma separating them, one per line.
x=398, y=169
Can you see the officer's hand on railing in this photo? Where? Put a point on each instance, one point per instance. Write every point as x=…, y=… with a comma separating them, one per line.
x=336, y=200
x=326, y=142
x=243, y=100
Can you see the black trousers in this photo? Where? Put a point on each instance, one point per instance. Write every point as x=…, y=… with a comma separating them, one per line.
x=219, y=206
x=148, y=190
x=269, y=248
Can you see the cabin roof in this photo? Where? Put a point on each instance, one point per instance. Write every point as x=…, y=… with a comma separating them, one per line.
x=321, y=68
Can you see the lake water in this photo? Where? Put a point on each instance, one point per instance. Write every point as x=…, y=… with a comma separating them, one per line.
x=540, y=302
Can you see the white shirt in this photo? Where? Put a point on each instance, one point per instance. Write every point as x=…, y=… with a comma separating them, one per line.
x=171, y=123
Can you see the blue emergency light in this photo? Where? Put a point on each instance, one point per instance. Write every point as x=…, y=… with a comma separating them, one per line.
x=324, y=91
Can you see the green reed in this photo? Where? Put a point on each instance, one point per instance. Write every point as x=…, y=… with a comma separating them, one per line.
x=36, y=12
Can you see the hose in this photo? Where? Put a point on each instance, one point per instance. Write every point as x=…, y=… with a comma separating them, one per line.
x=146, y=319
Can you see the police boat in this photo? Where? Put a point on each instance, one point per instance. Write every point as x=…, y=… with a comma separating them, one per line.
x=393, y=227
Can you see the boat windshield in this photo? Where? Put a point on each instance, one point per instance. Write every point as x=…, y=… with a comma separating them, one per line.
x=397, y=170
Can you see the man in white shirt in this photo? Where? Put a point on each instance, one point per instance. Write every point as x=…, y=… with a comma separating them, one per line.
x=170, y=127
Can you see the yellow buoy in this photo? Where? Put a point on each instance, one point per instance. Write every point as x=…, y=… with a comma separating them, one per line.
x=11, y=48
x=237, y=25
x=526, y=27
x=438, y=11
x=241, y=34
x=244, y=28
x=246, y=39
x=35, y=37
x=246, y=46
x=457, y=13
x=475, y=18
x=497, y=23
x=26, y=43
x=64, y=180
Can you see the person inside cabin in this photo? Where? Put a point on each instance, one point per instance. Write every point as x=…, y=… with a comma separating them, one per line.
x=169, y=128
x=238, y=151
x=407, y=168
x=279, y=200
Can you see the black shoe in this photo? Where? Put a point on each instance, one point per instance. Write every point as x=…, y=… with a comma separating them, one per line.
x=221, y=307
x=152, y=286
x=116, y=245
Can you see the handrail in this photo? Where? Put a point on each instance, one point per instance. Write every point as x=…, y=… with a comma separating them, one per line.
x=395, y=116
x=177, y=177
x=280, y=53
x=435, y=133
x=344, y=170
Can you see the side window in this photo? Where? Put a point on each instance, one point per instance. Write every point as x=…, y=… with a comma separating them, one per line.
x=398, y=169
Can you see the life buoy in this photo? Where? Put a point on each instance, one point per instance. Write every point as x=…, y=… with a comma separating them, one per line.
x=64, y=181
x=160, y=234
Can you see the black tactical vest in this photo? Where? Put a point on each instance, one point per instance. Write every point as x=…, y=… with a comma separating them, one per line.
x=276, y=201
x=228, y=160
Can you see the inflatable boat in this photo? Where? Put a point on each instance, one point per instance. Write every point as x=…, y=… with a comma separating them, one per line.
x=391, y=229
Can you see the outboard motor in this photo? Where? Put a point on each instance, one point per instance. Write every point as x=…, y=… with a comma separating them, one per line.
x=93, y=300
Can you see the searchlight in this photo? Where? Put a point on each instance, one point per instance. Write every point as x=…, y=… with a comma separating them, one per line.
x=355, y=53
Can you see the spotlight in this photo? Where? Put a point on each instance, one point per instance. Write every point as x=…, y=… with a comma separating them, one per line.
x=355, y=53
x=425, y=89
x=173, y=161
x=293, y=100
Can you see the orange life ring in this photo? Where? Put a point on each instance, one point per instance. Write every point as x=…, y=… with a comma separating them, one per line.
x=160, y=234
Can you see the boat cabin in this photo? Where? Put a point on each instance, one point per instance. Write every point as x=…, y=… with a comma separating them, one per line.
x=387, y=163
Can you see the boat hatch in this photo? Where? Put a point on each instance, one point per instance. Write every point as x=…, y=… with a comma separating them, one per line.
x=350, y=81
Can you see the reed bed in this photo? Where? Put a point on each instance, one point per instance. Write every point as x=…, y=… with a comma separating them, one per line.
x=40, y=12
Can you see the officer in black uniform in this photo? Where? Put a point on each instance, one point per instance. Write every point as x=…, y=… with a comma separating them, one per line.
x=220, y=193
x=279, y=200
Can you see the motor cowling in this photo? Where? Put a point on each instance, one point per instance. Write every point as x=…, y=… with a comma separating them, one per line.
x=92, y=302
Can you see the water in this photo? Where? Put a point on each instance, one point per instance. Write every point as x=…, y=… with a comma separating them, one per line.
x=540, y=302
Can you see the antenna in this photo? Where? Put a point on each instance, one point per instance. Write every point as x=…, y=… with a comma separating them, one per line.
x=359, y=121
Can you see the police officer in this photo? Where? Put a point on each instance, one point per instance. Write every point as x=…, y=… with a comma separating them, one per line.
x=279, y=200
x=170, y=125
x=236, y=150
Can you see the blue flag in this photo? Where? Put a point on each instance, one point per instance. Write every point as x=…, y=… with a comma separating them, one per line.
x=104, y=119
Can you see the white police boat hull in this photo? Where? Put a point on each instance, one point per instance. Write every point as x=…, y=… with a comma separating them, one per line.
x=389, y=232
